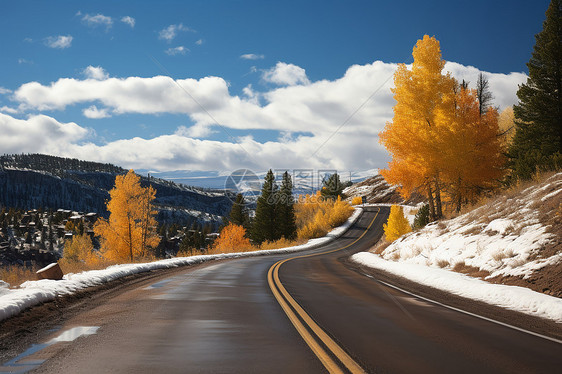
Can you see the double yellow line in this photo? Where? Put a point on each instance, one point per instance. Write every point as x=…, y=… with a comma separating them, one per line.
x=306, y=326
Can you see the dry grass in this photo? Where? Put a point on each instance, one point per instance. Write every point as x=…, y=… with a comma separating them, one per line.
x=381, y=245
x=442, y=263
x=461, y=267
x=16, y=275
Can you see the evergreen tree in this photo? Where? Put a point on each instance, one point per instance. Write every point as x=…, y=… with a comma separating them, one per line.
x=264, y=226
x=332, y=187
x=422, y=217
x=538, y=115
x=286, y=209
x=239, y=212
x=483, y=94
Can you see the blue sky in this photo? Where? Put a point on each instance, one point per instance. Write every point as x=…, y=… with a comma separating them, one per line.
x=258, y=84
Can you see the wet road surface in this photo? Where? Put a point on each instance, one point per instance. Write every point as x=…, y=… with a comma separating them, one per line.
x=223, y=318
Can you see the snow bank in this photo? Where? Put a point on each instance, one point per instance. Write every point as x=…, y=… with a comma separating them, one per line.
x=511, y=297
x=31, y=293
x=503, y=237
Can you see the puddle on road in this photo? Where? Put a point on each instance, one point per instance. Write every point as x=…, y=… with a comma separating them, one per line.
x=20, y=365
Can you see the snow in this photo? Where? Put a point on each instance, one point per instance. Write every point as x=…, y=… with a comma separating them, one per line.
x=511, y=297
x=30, y=293
x=504, y=237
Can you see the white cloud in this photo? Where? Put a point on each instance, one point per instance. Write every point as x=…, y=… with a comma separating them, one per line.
x=95, y=113
x=7, y=109
x=305, y=115
x=59, y=42
x=285, y=74
x=252, y=56
x=97, y=20
x=24, y=61
x=169, y=33
x=195, y=131
x=38, y=134
x=129, y=21
x=199, y=42
x=4, y=91
x=95, y=72
x=181, y=50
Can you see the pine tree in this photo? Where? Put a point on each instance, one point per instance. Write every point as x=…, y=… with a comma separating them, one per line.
x=483, y=94
x=286, y=223
x=239, y=212
x=332, y=187
x=397, y=225
x=264, y=225
x=538, y=136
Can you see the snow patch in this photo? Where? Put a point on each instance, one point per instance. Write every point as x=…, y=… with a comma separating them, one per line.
x=31, y=293
x=520, y=299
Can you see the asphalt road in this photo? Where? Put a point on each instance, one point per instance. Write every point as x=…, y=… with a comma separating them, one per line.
x=290, y=313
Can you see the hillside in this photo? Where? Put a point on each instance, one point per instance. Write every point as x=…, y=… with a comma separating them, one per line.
x=513, y=239
x=41, y=181
x=377, y=191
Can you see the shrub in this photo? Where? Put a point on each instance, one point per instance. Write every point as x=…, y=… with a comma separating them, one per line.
x=422, y=217
x=231, y=239
x=357, y=200
x=397, y=225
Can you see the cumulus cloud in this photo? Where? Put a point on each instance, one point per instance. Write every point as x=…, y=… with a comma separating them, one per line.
x=38, y=133
x=252, y=56
x=95, y=72
x=199, y=42
x=7, y=109
x=169, y=33
x=129, y=21
x=318, y=108
x=4, y=91
x=97, y=20
x=181, y=50
x=285, y=74
x=58, y=42
x=95, y=113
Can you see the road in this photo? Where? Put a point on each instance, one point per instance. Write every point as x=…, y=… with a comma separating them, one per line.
x=307, y=312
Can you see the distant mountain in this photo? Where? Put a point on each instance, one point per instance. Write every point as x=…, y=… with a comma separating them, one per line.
x=40, y=181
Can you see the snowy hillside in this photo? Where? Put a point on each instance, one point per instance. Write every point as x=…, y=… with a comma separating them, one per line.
x=377, y=191
x=514, y=239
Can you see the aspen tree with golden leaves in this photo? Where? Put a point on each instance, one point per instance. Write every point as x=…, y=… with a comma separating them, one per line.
x=397, y=225
x=131, y=228
x=413, y=135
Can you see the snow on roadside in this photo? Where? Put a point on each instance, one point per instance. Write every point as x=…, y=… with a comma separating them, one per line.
x=504, y=237
x=31, y=293
x=520, y=299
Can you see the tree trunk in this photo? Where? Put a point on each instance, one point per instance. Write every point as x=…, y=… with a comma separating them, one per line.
x=130, y=241
x=438, y=209
x=431, y=205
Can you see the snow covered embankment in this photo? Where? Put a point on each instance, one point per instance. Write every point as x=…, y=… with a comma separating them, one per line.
x=502, y=238
x=31, y=293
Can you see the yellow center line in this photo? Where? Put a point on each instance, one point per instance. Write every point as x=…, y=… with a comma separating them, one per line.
x=275, y=283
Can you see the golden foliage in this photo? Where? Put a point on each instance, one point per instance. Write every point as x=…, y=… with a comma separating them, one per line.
x=16, y=275
x=357, y=200
x=438, y=141
x=79, y=248
x=397, y=224
x=131, y=228
x=231, y=239
x=315, y=216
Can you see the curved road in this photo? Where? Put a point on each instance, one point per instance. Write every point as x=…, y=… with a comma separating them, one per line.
x=306, y=312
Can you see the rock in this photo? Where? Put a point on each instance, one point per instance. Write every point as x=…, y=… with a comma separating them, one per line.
x=51, y=271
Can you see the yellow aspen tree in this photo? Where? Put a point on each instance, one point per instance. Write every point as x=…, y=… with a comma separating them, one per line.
x=397, y=224
x=131, y=227
x=232, y=238
x=472, y=152
x=413, y=136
